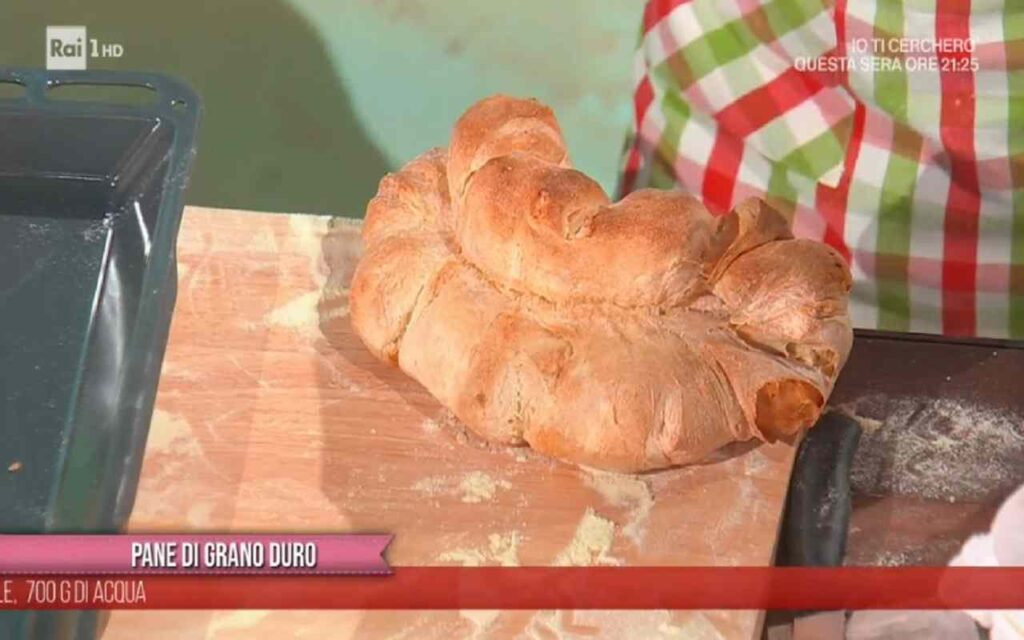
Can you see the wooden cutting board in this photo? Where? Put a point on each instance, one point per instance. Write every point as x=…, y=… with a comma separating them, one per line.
x=263, y=423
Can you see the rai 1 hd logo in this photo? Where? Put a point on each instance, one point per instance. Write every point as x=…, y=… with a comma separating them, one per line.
x=69, y=49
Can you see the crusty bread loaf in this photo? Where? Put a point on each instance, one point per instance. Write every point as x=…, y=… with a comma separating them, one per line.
x=628, y=336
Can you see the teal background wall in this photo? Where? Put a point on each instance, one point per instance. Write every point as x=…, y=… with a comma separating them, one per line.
x=309, y=102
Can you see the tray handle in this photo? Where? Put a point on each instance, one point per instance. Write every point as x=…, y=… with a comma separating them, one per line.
x=174, y=99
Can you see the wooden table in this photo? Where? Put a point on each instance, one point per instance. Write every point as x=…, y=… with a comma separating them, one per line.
x=263, y=423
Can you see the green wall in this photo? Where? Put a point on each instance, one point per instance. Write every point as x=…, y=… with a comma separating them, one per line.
x=309, y=102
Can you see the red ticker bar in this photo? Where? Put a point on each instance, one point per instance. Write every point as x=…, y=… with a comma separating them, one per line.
x=537, y=588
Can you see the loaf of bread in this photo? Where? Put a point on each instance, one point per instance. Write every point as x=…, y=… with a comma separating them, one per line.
x=628, y=336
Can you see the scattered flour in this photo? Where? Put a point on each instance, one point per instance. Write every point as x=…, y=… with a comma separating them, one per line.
x=590, y=544
x=465, y=557
x=446, y=423
x=501, y=550
x=170, y=433
x=695, y=626
x=431, y=486
x=481, y=619
x=649, y=625
x=755, y=462
x=546, y=625
x=626, y=491
x=335, y=303
x=505, y=548
x=480, y=487
x=302, y=313
x=307, y=234
x=666, y=630
x=937, y=450
x=869, y=425
x=171, y=369
x=473, y=487
x=299, y=314
x=616, y=625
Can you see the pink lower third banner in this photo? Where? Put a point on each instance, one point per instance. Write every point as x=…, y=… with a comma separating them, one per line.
x=354, y=554
x=533, y=588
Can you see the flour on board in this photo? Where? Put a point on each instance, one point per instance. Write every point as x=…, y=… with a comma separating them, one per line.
x=473, y=487
x=298, y=314
x=480, y=487
x=480, y=619
x=501, y=550
x=590, y=544
x=306, y=236
x=170, y=433
x=628, y=492
x=657, y=624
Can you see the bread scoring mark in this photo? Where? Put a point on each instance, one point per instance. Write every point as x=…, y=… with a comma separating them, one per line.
x=588, y=305
x=432, y=286
x=745, y=334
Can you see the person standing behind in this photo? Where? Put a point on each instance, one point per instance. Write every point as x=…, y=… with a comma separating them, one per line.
x=892, y=130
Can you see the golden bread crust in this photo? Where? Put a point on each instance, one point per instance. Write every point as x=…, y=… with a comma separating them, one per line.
x=627, y=336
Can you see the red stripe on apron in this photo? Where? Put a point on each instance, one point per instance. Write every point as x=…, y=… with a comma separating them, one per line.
x=720, y=173
x=767, y=102
x=642, y=100
x=630, y=172
x=831, y=202
x=655, y=10
x=956, y=122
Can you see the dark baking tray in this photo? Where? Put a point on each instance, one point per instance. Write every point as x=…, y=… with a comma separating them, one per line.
x=91, y=195
x=896, y=381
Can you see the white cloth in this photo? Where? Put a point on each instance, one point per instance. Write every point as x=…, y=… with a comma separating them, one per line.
x=1003, y=546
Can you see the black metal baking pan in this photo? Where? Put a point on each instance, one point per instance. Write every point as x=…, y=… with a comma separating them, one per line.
x=91, y=196
x=937, y=409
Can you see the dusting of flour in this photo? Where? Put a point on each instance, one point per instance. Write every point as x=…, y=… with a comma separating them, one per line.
x=628, y=492
x=501, y=549
x=615, y=625
x=481, y=620
x=473, y=487
x=937, y=450
x=590, y=544
x=480, y=487
x=169, y=432
x=298, y=314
